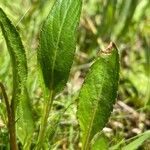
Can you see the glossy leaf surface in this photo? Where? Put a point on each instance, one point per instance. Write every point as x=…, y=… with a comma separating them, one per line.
x=98, y=94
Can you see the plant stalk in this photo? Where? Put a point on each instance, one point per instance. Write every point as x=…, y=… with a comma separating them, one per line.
x=11, y=120
x=47, y=109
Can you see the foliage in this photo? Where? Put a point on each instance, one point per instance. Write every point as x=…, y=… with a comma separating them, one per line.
x=126, y=23
x=56, y=50
x=98, y=94
x=19, y=104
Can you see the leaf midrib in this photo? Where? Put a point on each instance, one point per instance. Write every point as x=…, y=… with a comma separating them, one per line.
x=92, y=120
x=56, y=51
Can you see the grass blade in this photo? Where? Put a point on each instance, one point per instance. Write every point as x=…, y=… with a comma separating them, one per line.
x=137, y=142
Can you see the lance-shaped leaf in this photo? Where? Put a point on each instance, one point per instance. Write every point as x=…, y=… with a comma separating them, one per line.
x=19, y=68
x=57, y=43
x=17, y=55
x=98, y=94
x=136, y=143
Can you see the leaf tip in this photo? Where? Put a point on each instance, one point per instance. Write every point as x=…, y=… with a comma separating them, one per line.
x=108, y=49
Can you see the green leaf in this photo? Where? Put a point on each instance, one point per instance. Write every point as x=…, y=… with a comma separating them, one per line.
x=137, y=142
x=57, y=43
x=100, y=143
x=17, y=54
x=25, y=124
x=19, y=100
x=98, y=94
x=117, y=146
x=55, y=53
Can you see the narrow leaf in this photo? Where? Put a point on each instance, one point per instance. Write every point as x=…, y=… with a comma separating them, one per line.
x=19, y=100
x=117, y=146
x=17, y=54
x=98, y=94
x=57, y=43
x=137, y=142
x=25, y=124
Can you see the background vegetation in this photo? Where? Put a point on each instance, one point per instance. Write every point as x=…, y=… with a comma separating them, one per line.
x=127, y=22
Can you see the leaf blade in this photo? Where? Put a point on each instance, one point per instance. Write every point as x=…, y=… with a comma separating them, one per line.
x=100, y=142
x=16, y=51
x=135, y=144
x=57, y=43
x=20, y=101
x=98, y=95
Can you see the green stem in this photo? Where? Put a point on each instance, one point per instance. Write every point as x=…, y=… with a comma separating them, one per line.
x=47, y=109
